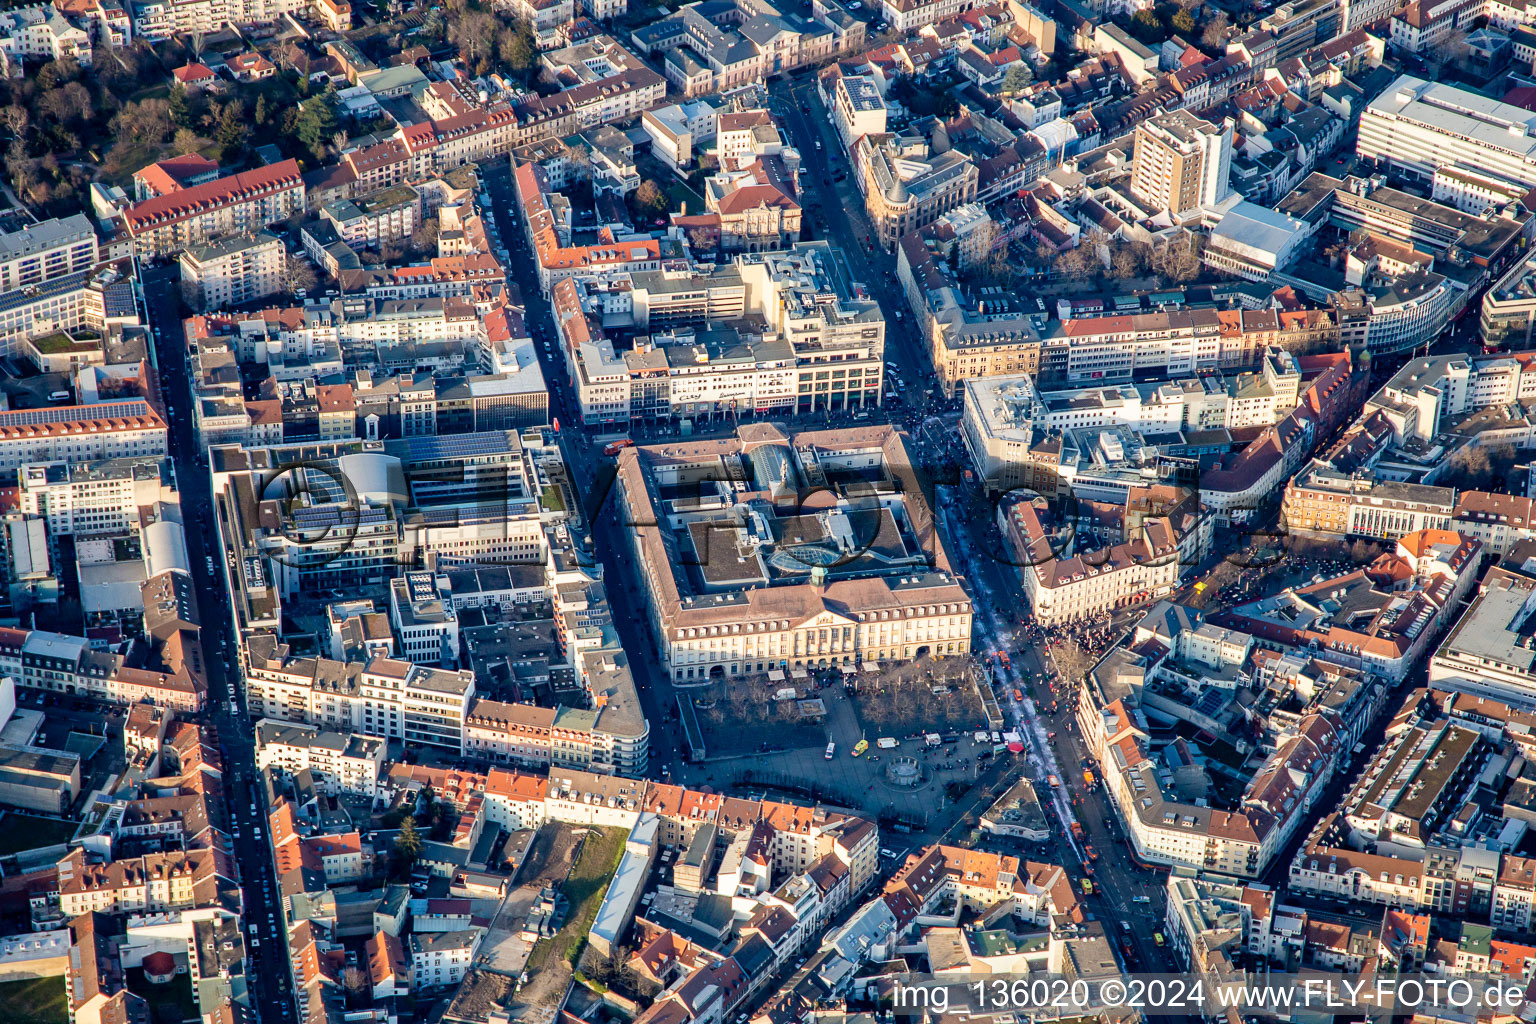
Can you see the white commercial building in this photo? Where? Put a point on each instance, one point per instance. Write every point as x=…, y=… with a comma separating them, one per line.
x=1208, y=401
x=384, y=697
x=442, y=958
x=1415, y=128
x=81, y=433
x=857, y=108
x=1253, y=241
x=84, y=498
x=679, y=131
x=1066, y=584
x=47, y=250
x=427, y=626
x=722, y=577
x=1170, y=344
x=1181, y=162
x=770, y=333
x=1164, y=826
x=1489, y=653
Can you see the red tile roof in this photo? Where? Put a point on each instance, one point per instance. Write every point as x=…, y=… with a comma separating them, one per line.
x=190, y=202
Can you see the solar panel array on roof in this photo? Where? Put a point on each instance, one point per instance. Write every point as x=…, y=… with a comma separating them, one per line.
x=74, y=414
x=331, y=517
x=31, y=294
x=484, y=442
x=1212, y=701
x=472, y=513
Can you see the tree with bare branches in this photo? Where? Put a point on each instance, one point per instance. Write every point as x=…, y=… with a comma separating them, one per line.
x=1471, y=467
x=1177, y=260
x=188, y=141
x=299, y=275
x=1216, y=30
x=1080, y=263
x=1453, y=49
x=356, y=984
x=1071, y=660
x=424, y=238
x=1128, y=259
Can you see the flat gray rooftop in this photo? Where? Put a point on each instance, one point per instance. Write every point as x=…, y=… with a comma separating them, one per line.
x=1493, y=629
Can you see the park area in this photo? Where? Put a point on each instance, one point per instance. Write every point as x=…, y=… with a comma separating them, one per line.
x=910, y=777
x=928, y=695
x=730, y=711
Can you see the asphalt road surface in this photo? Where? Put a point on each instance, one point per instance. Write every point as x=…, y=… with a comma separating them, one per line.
x=266, y=946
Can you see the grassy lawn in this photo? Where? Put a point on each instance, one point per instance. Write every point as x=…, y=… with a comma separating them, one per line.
x=123, y=164
x=679, y=194
x=172, y=1001
x=158, y=91
x=58, y=343
x=583, y=891
x=34, y=1001
x=677, y=191
x=551, y=500
x=20, y=832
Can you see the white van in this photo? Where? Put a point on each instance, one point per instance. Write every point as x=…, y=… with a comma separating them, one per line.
x=831, y=751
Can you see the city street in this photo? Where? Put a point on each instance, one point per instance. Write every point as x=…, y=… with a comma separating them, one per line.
x=592, y=474
x=266, y=945
x=1055, y=749
x=847, y=228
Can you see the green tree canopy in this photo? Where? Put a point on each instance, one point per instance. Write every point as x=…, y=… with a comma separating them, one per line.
x=408, y=842
x=650, y=198
x=181, y=108
x=232, y=129
x=317, y=122
x=1017, y=78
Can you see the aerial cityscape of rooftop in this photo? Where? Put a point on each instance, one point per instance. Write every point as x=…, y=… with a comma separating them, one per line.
x=768, y=512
